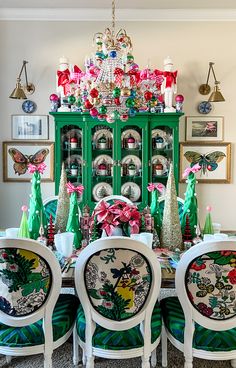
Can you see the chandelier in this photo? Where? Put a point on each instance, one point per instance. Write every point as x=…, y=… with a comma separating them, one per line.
x=112, y=87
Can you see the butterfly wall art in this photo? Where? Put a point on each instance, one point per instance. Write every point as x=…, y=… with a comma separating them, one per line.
x=214, y=159
x=17, y=157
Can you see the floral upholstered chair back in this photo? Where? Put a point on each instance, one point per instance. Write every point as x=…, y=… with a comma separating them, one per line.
x=210, y=282
x=118, y=282
x=27, y=271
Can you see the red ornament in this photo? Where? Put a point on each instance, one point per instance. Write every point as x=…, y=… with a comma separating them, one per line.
x=131, y=140
x=179, y=98
x=147, y=95
x=73, y=140
x=117, y=101
x=87, y=104
x=94, y=93
x=51, y=232
x=102, y=166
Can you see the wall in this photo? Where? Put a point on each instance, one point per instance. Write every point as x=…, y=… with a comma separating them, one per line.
x=191, y=46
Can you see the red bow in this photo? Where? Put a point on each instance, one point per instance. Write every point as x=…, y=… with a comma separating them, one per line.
x=170, y=78
x=72, y=188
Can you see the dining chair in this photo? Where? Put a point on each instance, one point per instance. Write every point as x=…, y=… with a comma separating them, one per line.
x=118, y=281
x=50, y=207
x=34, y=317
x=112, y=198
x=201, y=320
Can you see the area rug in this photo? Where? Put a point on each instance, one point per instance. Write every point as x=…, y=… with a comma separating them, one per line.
x=62, y=358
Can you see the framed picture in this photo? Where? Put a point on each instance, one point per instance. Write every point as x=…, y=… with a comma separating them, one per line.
x=208, y=128
x=29, y=127
x=17, y=156
x=214, y=159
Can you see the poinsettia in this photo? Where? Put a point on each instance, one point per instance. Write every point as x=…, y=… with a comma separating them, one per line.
x=120, y=214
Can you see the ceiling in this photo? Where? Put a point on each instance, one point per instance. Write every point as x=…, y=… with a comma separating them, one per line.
x=121, y=4
x=133, y=10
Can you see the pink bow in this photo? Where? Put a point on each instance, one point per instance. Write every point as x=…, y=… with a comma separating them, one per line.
x=193, y=169
x=72, y=188
x=152, y=186
x=40, y=168
x=75, y=75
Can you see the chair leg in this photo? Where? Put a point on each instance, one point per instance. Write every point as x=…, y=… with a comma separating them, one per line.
x=188, y=363
x=233, y=363
x=48, y=361
x=163, y=347
x=83, y=357
x=145, y=362
x=90, y=362
x=8, y=359
x=154, y=358
x=75, y=347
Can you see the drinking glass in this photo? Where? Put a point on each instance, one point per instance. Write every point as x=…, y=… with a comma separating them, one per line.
x=12, y=232
x=147, y=238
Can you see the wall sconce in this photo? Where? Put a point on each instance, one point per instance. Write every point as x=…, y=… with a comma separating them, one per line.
x=20, y=91
x=204, y=89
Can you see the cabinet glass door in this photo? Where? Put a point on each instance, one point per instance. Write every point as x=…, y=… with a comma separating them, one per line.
x=72, y=152
x=131, y=159
x=100, y=165
x=161, y=153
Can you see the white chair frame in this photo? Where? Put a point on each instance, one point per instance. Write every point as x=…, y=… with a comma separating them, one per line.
x=115, y=198
x=92, y=316
x=192, y=315
x=44, y=312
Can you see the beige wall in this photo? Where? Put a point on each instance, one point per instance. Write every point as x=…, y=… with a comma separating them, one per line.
x=191, y=46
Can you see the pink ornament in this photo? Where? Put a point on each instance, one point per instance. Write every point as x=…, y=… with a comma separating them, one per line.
x=24, y=208
x=209, y=208
x=179, y=98
x=73, y=140
x=131, y=140
x=53, y=97
x=93, y=112
x=102, y=166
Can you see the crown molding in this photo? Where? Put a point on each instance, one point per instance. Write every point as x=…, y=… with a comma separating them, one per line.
x=87, y=14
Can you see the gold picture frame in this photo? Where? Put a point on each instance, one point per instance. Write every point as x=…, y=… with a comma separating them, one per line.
x=214, y=157
x=17, y=155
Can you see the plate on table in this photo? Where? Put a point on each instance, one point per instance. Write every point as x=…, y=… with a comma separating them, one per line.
x=125, y=135
x=132, y=158
x=131, y=190
x=159, y=159
x=102, y=190
x=99, y=133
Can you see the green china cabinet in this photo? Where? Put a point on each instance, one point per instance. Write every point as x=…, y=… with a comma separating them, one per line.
x=117, y=158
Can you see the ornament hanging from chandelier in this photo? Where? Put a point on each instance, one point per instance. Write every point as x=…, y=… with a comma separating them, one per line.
x=112, y=86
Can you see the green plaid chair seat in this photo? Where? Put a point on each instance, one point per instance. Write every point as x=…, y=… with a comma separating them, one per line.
x=116, y=340
x=63, y=318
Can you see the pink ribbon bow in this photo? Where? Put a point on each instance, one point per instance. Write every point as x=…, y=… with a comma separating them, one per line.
x=152, y=186
x=75, y=75
x=40, y=168
x=72, y=188
x=193, y=169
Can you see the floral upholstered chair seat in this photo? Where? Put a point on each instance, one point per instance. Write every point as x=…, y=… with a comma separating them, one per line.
x=118, y=284
x=206, y=287
x=34, y=317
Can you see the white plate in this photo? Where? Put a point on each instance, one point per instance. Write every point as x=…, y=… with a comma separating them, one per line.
x=135, y=191
x=102, y=158
x=126, y=133
x=99, y=187
x=99, y=133
x=159, y=159
x=162, y=134
x=73, y=159
x=72, y=133
x=136, y=160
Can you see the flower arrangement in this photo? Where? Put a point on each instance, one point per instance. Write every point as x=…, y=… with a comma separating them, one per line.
x=118, y=214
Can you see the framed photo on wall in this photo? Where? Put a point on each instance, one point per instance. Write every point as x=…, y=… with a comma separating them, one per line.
x=214, y=159
x=17, y=156
x=27, y=127
x=207, y=128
